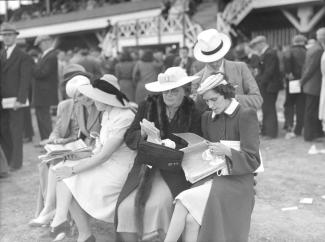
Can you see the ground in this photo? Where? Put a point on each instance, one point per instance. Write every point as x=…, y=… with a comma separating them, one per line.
x=290, y=174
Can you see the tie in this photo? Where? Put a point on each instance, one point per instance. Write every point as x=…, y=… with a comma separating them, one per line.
x=4, y=55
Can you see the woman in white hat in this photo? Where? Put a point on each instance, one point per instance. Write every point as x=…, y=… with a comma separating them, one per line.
x=220, y=209
x=91, y=186
x=76, y=118
x=153, y=190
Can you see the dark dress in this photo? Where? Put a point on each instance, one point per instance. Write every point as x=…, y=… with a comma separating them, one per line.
x=186, y=119
x=227, y=214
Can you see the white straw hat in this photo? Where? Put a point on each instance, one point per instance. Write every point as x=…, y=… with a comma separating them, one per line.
x=105, y=90
x=74, y=83
x=211, y=46
x=172, y=78
x=211, y=82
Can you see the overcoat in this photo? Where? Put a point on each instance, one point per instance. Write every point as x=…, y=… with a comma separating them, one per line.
x=186, y=119
x=228, y=211
x=45, y=88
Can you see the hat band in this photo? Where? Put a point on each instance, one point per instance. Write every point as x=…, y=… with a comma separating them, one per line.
x=110, y=89
x=213, y=51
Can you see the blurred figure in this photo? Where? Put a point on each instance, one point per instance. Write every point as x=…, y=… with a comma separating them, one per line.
x=270, y=84
x=145, y=71
x=45, y=90
x=90, y=63
x=169, y=57
x=16, y=76
x=311, y=81
x=321, y=115
x=294, y=102
x=62, y=62
x=184, y=60
x=245, y=54
x=123, y=72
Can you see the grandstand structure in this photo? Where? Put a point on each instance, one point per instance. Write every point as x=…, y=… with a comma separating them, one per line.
x=140, y=23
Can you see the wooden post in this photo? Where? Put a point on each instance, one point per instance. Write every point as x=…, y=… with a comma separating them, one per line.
x=6, y=10
x=136, y=32
x=48, y=6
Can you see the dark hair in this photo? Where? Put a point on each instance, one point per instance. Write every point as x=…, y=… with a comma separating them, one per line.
x=125, y=56
x=147, y=56
x=226, y=90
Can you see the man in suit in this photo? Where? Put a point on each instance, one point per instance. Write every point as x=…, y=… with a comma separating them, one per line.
x=294, y=102
x=45, y=86
x=311, y=85
x=184, y=60
x=16, y=75
x=269, y=80
x=210, y=49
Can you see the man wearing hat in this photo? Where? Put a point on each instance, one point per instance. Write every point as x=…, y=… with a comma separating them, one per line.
x=270, y=83
x=16, y=76
x=311, y=81
x=211, y=48
x=45, y=90
x=294, y=102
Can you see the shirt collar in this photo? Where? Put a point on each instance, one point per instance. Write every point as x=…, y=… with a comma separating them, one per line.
x=47, y=51
x=230, y=109
x=264, y=49
x=10, y=49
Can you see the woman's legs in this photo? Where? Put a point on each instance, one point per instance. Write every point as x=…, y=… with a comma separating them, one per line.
x=81, y=219
x=50, y=194
x=63, y=202
x=181, y=221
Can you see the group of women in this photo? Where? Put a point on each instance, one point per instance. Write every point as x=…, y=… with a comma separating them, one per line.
x=140, y=186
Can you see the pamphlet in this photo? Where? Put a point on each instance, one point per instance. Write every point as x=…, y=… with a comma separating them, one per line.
x=294, y=86
x=9, y=102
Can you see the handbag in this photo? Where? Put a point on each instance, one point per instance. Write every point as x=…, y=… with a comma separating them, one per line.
x=159, y=156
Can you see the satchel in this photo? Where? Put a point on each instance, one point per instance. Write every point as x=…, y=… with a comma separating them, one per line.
x=159, y=156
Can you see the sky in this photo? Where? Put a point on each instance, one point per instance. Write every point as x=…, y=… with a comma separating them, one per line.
x=12, y=4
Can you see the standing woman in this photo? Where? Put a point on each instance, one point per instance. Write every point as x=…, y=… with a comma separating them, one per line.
x=220, y=208
x=145, y=70
x=145, y=204
x=90, y=186
x=123, y=72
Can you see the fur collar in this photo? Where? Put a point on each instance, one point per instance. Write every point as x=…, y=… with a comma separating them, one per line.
x=156, y=112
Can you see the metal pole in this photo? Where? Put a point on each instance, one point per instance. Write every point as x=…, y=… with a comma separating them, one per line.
x=48, y=7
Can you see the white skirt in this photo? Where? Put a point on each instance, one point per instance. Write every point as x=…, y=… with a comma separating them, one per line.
x=195, y=200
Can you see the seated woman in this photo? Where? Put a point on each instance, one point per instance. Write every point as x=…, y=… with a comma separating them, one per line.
x=91, y=186
x=77, y=117
x=171, y=111
x=220, y=207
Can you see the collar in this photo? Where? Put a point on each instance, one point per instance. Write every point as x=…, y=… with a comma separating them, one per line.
x=264, y=49
x=10, y=49
x=47, y=51
x=230, y=109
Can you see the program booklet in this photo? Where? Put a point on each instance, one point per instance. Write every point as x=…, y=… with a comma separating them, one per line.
x=8, y=103
x=58, y=151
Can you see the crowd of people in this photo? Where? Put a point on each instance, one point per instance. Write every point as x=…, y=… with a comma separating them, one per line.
x=131, y=180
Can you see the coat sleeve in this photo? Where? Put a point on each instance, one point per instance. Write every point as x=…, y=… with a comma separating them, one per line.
x=270, y=65
x=247, y=160
x=196, y=122
x=312, y=63
x=26, y=75
x=43, y=69
x=58, y=124
x=133, y=136
x=252, y=96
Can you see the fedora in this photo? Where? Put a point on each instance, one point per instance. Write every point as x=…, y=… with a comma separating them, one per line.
x=8, y=28
x=172, y=78
x=105, y=90
x=211, y=46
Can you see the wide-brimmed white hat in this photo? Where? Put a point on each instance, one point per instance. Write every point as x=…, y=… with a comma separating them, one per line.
x=212, y=82
x=105, y=90
x=211, y=46
x=172, y=78
x=74, y=83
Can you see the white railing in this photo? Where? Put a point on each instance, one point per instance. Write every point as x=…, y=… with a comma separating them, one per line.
x=158, y=26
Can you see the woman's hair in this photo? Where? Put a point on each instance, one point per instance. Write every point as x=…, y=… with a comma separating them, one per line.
x=147, y=56
x=228, y=90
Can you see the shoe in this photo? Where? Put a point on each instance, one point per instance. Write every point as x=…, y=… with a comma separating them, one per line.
x=59, y=232
x=43, y=142
x=290, y=135
x=42, y=221
x=13, y=169
x=27, y=139
x=91, y=238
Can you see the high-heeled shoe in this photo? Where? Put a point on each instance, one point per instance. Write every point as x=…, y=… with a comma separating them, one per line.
x=42, y=221
x=59, y=232
x=91, y=238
